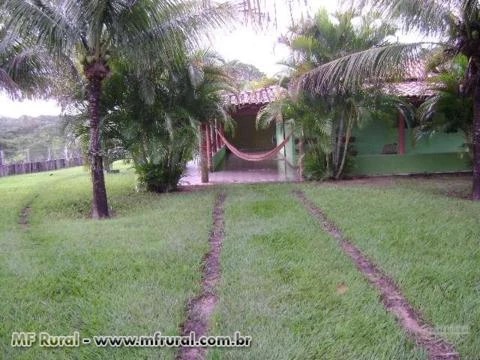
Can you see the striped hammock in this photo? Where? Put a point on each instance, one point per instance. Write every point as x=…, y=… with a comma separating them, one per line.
x=268, y=155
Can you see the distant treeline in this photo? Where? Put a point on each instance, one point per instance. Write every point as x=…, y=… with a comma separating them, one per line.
x=31, y=139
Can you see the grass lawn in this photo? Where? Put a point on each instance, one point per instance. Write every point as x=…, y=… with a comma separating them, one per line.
x=131, y=275
x=429, y=242
x=287, y=284
x=284, y=281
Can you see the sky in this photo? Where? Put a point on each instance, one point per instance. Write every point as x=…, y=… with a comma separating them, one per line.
x=15, y=109
x=261, y=48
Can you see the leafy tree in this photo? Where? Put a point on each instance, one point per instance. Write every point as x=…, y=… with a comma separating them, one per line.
x=242, y=74
x=95, y=30
x=166, y=133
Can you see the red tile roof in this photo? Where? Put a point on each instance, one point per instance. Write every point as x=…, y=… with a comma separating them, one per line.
x=256, y=97
x=414, y=88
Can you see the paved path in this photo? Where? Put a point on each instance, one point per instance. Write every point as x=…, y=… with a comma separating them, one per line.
x=240, y=171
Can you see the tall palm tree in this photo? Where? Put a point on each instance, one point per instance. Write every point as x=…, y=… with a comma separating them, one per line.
x=94, y=30
x=456, y=25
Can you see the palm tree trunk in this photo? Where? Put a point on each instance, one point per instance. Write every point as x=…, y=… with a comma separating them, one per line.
x=476, y=142
x=99, y=202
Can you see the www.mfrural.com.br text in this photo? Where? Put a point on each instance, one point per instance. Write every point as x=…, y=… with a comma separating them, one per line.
x=44, y=339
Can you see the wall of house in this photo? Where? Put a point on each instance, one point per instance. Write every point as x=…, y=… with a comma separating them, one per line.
x=248, y=138
x=441, y=152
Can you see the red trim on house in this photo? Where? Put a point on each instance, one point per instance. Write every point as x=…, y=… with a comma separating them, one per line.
x=209, y=148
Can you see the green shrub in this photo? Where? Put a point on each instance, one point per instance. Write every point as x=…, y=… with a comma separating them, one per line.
x=161, y=177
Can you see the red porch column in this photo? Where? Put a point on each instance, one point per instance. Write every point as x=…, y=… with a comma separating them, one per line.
x=203, y=153
x=217, y=128
x=401, y=134
x=220, y=129
x=209, y=147
x=214, y=138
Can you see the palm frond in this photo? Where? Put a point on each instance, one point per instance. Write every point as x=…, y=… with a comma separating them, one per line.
x=270, y=114
x=431, y=17
x=187, y=23
x=7, y=84
x=364, y=68
x=43, y=20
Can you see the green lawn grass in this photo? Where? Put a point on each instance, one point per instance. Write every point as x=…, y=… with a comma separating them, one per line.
x=131, y=275
x=280, y=275
x=284, y=281
x=429, y=242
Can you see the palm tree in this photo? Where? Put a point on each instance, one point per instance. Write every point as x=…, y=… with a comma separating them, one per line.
x=184, y=99
x=96, y=30
x=455, y=23
x=328, y=121
x=450, y=109
x=154, y=116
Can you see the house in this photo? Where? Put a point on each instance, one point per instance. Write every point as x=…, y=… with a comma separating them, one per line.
x=392, y=149
x=379, y=148
x=246, y=137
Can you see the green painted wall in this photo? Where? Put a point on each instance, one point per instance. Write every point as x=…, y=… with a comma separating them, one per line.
x=372, y=138
x=441, y=152
x=409, y=164
x=219, y=157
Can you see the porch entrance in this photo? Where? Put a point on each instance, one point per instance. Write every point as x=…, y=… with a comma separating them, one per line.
x=249, y=154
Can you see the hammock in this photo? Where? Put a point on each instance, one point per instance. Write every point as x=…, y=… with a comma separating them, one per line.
x=269, y=155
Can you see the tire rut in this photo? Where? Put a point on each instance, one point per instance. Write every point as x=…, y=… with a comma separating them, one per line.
x=392, y=297
x=200, y=308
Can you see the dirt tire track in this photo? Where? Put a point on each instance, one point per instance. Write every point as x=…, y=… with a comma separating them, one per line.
x=24, y=217
x=393, y=300
x=200, y=308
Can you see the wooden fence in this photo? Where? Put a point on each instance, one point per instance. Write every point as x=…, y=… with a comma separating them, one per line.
x=38, y=166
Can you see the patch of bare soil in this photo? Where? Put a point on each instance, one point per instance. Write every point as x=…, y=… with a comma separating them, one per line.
x=24, y=217
x=193, y=188
x=393, y=299
x=459, y=195
x=200, y=309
